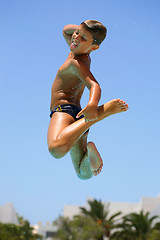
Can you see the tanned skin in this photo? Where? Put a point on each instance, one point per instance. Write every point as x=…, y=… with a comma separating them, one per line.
x=64, y=133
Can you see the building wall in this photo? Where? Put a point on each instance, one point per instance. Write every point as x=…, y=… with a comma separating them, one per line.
x=46, y=230
x=8, y=214
x=147, y=204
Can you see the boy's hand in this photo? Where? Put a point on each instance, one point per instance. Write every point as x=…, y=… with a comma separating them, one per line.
x=90, y=113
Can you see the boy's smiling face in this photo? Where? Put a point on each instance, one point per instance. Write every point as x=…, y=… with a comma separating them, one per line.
x=81, y=42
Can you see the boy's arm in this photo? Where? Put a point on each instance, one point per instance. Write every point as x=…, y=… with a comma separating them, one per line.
x=68, y=30
x=90, y=111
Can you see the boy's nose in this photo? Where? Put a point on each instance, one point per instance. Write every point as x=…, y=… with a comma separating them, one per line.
x=76, y=36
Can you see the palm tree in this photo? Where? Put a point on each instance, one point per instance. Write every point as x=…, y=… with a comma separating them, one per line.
x=100, y=215
x=135, y=226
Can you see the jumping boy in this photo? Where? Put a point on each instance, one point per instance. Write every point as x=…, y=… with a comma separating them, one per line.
x=68, y=128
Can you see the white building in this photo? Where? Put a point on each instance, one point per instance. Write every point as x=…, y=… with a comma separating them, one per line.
x=147, y=204
x=8, y=214
x=47, y=231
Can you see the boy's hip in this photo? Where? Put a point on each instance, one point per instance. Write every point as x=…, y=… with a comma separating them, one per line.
x=71, y=109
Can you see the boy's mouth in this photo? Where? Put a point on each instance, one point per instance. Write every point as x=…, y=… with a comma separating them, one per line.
x=74, y=45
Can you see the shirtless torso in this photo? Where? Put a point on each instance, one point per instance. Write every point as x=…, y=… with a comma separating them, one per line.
x=67, y=87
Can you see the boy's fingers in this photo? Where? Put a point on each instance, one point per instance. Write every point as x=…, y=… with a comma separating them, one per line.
x=80, y=113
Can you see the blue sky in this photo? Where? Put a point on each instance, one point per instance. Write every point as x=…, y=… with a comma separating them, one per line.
x=32, y=49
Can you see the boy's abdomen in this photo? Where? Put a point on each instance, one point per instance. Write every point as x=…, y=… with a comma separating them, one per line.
x=64, y=98
x=66, y=91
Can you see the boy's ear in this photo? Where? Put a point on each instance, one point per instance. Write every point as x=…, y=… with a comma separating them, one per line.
x=95, y=47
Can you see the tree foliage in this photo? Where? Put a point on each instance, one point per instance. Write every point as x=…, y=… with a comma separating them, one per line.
x=155, y=235
x=80, y=227
x=136, y=226
x=22, y=231
x=100, y=214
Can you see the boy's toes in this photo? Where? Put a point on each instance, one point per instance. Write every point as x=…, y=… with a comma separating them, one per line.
x=126, y=106
x=96, y=172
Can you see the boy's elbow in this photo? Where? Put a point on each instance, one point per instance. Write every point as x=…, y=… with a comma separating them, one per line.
x=64, y=29
x=98, y=88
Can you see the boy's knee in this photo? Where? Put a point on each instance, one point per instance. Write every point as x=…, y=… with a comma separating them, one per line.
x=57, y=150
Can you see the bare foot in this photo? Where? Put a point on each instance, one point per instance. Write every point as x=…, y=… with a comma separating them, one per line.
x=96, y=162
x=112, y=107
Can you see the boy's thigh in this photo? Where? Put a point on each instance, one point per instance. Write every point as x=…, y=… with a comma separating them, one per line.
x=58, y=122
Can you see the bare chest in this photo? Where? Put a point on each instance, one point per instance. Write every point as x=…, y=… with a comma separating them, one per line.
x=65, y=69
x=67, y=77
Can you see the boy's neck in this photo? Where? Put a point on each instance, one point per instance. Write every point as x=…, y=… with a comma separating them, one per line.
x=79, y=55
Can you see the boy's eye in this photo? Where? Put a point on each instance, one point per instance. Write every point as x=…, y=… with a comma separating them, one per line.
x=84, y=38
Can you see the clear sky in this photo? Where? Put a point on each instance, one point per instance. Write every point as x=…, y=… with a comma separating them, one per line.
x=127, y=66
